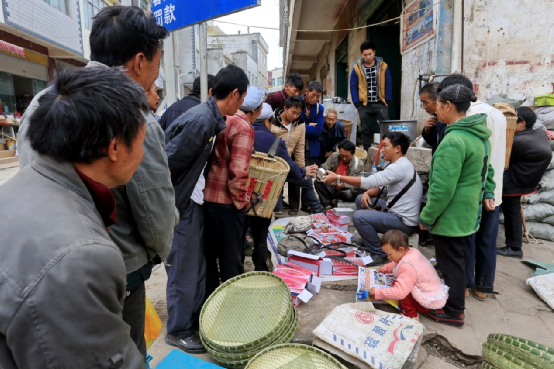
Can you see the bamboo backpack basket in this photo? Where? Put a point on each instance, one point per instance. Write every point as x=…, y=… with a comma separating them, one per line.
x=266, y=178
x=511, y=121
x=348, y=124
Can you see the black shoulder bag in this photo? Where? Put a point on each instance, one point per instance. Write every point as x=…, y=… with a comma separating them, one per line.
x=396, y=198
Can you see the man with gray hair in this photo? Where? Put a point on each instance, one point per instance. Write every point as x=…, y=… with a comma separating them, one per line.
x=331, y=135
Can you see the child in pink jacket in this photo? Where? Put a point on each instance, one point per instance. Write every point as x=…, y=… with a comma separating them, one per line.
x=417, y=287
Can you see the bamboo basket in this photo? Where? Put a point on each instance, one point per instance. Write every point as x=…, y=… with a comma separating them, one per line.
x=266, y=177
x=361, y=154
x=348, y=124
x=511, y=121
x=528, y=351
x=294, y=356
x=502, y=359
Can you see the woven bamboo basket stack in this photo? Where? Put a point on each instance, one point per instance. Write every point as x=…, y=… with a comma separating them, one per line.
x=245, y=315
x=348, y=124
x=361, y=154
x=511, y=120
x=502, y=351
x=294, y=356
x=266, y=177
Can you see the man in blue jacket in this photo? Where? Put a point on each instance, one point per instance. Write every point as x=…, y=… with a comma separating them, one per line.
x=262, y=143
x=332, y=134
x=371, y=90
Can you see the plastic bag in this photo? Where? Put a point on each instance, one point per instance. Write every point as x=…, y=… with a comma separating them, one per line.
x=541, y=230
x=538, y=211
x=152, y=324
x=544, y=287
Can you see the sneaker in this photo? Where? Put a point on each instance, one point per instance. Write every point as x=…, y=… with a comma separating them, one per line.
x=440, y=316
x=190, y=345
x=510, y=252
x=357, y=241
x=377, y=260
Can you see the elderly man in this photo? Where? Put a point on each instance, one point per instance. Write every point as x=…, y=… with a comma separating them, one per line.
x=404, y=191
x=190, y=142
x=146, y=213
x=433, y=132
x=331, y=135
x=226, y=192
x=344, y=163
x=63, y=277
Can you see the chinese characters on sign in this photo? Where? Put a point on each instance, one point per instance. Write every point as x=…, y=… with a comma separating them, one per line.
x=371, y=342
x=165, y=14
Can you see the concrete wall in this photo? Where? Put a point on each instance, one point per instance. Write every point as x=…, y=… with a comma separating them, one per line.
x=508, y=48
x=39, y=19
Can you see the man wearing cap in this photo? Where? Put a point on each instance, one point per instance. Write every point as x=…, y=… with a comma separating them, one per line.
x=226, y=193
x=263, y=143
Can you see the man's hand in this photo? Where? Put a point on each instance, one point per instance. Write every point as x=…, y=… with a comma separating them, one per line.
x=422, y=227
x=311, y=170
x=366, y=200
x=550, y=135
x=329, y=153
x=339, y=186
x=331, y=177
x=430, y=123
x=313, y=124
x=488, y=204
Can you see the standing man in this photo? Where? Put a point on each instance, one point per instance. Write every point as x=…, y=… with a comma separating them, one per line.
x=146, y=212
x=433, y=132
x=180, y=107
x=371, y=91
x=63, y=278
x=190, y=141
x=293, y=87
x=226, y=192
x=344, y=163
x=331, y=136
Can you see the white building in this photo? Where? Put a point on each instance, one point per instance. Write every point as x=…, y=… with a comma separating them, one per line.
x=276, y=80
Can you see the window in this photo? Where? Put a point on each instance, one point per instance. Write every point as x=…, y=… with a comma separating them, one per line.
x=273, y=82
x=280, y=81
x=61, y=5
x=92, y=7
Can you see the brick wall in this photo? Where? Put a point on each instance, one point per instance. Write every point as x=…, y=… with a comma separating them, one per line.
x=39, y=19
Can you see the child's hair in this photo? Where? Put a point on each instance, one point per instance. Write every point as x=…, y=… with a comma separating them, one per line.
x=396, y=239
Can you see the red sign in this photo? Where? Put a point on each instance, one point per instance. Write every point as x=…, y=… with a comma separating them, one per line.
x=269, y=78
x=12, y=48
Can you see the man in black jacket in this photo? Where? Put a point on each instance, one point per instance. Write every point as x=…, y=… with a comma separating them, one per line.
x=190, y=141
x=190, y=101
x=531, y=155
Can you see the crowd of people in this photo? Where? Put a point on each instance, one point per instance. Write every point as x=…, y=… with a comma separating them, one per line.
x=105, y=192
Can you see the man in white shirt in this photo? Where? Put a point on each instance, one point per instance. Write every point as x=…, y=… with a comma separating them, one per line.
x=403, y=202
x=481, y=261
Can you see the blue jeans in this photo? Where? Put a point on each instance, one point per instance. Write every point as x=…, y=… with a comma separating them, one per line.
x=370, y=222
x=481, y=260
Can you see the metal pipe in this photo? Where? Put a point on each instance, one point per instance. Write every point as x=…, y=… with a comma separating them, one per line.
x=462, y=41
x=203, y=61
x=456, y=36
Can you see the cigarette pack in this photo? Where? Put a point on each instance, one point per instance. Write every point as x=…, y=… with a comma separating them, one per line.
x=343, y=268
x=322, y=266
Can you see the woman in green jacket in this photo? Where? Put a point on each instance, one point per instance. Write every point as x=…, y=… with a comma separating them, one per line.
x=461, y=178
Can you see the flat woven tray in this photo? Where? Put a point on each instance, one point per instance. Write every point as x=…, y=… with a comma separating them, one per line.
x=486, y=365
x=293, y=356
x=503, y=360
x=245, y=312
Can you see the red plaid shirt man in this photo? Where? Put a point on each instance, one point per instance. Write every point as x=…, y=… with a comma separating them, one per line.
x=226, y=182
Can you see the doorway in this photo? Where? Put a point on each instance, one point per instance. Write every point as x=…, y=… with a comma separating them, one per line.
x=341, y=57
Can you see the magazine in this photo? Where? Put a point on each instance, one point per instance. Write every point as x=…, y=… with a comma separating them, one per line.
x=370, y=278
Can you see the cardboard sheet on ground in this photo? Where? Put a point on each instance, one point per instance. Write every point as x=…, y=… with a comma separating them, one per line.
x=364, y=335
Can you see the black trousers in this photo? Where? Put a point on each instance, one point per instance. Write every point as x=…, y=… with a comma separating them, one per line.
x=294, y=190
x=370, y=115
x=513, y=223
x=327, y=194
x=223, y=241
x=186, y=274
x=134, y=309
x=452, y=253
x=259, y=228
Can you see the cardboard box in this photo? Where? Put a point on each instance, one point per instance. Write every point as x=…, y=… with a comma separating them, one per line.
x=322, y=266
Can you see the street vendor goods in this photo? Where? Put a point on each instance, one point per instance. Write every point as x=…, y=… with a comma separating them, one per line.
x=370, y=278
x=299, y=225
x=373, y=337
x=294, y=356
x=502, y=351
x=245, y=315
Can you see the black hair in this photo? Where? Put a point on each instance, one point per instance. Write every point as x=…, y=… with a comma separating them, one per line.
x=455, y=79
x=227, y=80
x=348, y=146
x=396, y=239
x=121, y=32
x=367, y=45
x=294, y=101
x=398, y=138
x=196, y=84
x=525, y=113
x=430, y=89
x=459, y=95
x=84, y=111
x=295, y=80
x=315, y=85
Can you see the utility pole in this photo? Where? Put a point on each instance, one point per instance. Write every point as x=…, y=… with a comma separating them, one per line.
x=203, y=61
